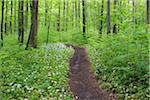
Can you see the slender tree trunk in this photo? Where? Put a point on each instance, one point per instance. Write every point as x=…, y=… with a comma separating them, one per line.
x=55, y=22
x=67, y=11
x=120, y=7
x=88, y=21
x=15, y=16
x=46, y=10
x=76, y=14
x=6, y=13
x=11, y=16
x=48, y=28
x=101, y=20
x=120, y=12
x=26, y=17
x=50, y=17
x=49, y=23
x=58, y=21
x=84, y=18
x=20, y=22
x=19, y=19
x=133, y=18
x=94, y=18
x=72, y=17
x=148, y=14
x=108, y=17
x=64, y=13
x=79, y=12
x=32, y=39
x=115, y=25
x=2, y=23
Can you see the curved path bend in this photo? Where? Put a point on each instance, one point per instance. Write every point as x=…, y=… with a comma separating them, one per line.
x=82, y=82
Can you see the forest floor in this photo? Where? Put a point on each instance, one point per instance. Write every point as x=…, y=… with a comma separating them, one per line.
x=82, y=82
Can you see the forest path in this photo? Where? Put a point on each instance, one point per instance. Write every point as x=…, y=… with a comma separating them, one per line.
x=82, y=81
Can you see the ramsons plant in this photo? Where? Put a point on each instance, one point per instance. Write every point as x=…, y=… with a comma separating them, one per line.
x=121, y=63
x=35, y=74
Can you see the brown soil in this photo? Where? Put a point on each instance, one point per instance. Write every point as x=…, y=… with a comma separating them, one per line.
x=82, y=82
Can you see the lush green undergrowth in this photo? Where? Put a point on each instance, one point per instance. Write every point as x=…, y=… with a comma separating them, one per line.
x=35, y=73
x=121, y=64
x=70, y=37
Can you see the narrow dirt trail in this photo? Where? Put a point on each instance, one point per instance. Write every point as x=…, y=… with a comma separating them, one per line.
x=82, y=81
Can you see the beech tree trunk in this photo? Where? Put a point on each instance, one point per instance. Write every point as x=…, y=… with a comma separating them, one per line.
x=115, y=25
x=15, y=29
x=20, y=22
x=32, y=39
x=73, y=13
x=120, y=12
x=64, y=14
x=94, y=18
x=148, y=14
x=133, y=18
x=101, y=21
x=46, y=10
x=11, y=15
x=76, y=14
x=6, y=16
x=26, y=16
x=79, y=12
x=84, y=18
x=2, y=23
x=58, y=21
x=49, y=22
x=108, y=17
x=67, y=11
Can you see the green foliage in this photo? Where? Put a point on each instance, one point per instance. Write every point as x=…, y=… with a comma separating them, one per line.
x=71, y=37
x=36, y=73
x=121, y=62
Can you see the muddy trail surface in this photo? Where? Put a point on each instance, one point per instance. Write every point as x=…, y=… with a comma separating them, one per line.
x=82, y=82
